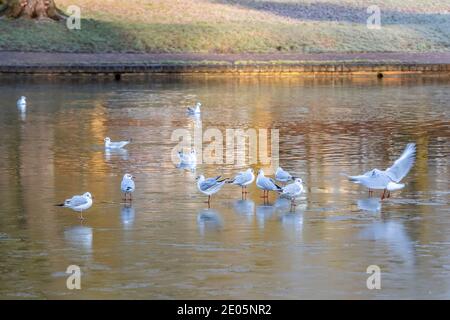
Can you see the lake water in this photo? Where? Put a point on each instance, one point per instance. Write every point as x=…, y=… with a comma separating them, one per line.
x=168, y=245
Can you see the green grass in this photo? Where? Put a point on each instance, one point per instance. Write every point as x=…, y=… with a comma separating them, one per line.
x=220, y=26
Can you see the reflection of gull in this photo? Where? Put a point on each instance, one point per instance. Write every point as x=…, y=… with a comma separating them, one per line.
x=22, y=104
x=263, y=213
x=209, y=219
x=187, y=166
x=395, y=236
x=290, y=219
x=197, y=121
x=292, y=191
x=78, y=203
x=389, y=179
x=79, y=236
x=195, y=110
x=115, y=145
x=243, y=179
x=244, y=207
x=188, y=159
x=22, y=107
x=209, y=186
x=123, y=153
x=282, y=204
x=369, y=204
x=282, y=176
x=127, y=185
x=266, y=184
x=127, y=213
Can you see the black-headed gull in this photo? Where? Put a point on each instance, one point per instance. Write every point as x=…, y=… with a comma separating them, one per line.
x=78, y=203
x=243, y=179
x=388, y=179
x=115, y=145
x=127, y=185
x=266, y=184
x=195, y=110
x=292, y=191
x=209, y=186
x=283, y=176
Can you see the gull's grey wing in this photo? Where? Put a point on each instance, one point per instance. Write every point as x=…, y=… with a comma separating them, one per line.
x=209, y=183
x=75, y=201
x=402, y=165
x=275, y=186
x=242, y=177
x=292, y=188
x=217, y=186
x=118, y=144
x=283, y=175
x=268, y=184
x=127, y=185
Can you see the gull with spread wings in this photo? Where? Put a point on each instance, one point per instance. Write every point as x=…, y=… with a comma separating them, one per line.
x=389, y=179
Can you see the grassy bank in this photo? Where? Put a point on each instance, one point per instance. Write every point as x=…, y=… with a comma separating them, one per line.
x=221, y=26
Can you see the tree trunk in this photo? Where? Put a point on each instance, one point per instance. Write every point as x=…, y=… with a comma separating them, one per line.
x=32, y=9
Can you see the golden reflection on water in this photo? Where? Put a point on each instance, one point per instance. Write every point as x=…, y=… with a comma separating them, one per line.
x=166, y=245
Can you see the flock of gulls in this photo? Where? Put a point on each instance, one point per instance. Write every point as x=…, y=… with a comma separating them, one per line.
x=284, y=184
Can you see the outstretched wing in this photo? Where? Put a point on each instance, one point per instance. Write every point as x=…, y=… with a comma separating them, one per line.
x=402, y=165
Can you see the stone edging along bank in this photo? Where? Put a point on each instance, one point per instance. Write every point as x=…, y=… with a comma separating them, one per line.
x=320, y=69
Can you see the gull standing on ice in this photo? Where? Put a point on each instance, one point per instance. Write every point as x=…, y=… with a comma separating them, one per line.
x=78, y=203
x=283, y=176
x=195, y=110
x=127, y=186
x=209, y=186
x=115, y=145
x=266, y=184
x=243, y=179
x=292, y=191
x=388, y=179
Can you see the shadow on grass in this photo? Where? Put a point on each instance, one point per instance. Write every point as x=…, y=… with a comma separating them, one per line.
x=433, y=28
x=325, y=11
x=48, y=35
x=424, y=32
x=105, y=36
